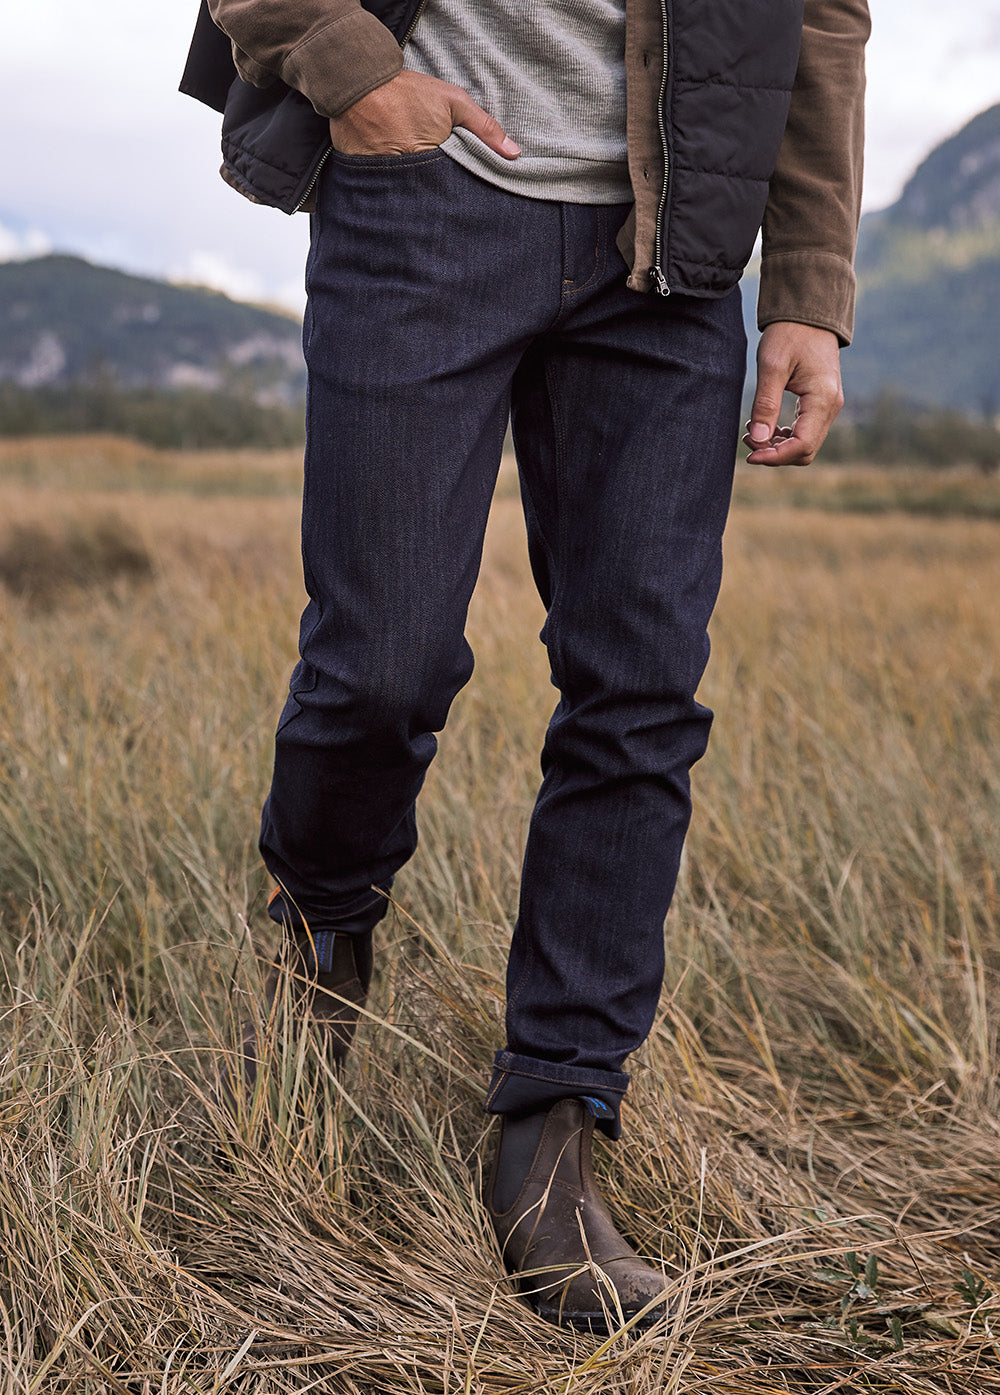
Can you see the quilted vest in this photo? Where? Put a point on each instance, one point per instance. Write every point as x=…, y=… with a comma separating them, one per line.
x=730, y=67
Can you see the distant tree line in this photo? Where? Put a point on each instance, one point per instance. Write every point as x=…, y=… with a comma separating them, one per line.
x=186, y=418
x=892, y=431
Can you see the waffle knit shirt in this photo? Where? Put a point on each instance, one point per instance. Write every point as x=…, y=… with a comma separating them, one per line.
x=552, y=72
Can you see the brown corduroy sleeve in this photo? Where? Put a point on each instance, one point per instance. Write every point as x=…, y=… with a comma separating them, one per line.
x=811, y=221
x=332, y=51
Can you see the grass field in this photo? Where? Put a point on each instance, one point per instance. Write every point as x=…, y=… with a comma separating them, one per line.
x=813, y=1128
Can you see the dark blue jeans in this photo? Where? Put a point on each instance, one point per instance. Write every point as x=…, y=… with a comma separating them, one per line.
x=438, y=304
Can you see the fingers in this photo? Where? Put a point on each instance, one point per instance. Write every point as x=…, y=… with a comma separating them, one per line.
x=792, y=445
x=806, y=361
x=465, y=112
x=763, y=424
x=784, y=448
x=411, y=112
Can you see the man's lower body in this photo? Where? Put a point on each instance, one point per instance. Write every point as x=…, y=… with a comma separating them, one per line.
x=438, y=306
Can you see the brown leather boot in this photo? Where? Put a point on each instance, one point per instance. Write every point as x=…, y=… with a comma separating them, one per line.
x=558, y=1222
x=327, y=994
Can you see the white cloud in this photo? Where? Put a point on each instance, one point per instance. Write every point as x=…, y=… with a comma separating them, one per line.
x=291, y=294
x=928, y=74
x=17, y=246
x=206, y=268
x=216, y=271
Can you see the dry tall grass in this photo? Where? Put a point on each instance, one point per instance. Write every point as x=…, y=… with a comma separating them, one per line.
x=812, y=1128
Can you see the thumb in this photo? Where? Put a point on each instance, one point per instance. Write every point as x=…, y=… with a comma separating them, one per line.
x=771, y=380
x=465, y=112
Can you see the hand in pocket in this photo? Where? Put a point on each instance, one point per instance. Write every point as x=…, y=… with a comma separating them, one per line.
x=411, y=112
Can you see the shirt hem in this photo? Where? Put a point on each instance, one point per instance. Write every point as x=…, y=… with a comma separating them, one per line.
x=597, y=183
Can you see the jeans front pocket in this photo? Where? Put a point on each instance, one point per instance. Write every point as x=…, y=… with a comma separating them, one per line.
x=375, y=161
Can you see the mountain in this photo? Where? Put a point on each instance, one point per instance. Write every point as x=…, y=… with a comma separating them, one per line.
x=928, y=314
x=67, y=323
x=928, y=320
x=956, y=189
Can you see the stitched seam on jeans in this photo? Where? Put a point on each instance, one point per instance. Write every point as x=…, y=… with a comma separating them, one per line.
x=552, y=1080
x=308, y=573
x=554, y=777
x=600, y=257
x=403, y=160
x=558, y=468
x=515, y=992
x=316, y=231
x=496, y=1089
x=550, y=554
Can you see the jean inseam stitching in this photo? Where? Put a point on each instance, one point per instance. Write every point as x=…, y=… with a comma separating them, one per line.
x=515, y=991
x=559, y=440
x=559, y=452
x=558, y=493
x=551, y=553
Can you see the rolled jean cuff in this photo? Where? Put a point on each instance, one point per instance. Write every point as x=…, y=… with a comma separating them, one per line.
x=358, y=917
x=522, y=1084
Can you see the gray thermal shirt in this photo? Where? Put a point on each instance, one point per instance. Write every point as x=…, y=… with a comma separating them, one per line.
x=552, y=72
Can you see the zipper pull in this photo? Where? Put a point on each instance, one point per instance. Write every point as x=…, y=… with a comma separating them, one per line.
x=659, y=281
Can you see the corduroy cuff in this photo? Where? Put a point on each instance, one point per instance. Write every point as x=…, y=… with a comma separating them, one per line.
x=340, y=63
x=808, y=287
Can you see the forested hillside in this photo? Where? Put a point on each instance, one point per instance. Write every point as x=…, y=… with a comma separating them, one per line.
x=87, y=348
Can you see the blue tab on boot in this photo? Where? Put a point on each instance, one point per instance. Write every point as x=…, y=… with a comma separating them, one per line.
x=597, y=1107
x=320, y=951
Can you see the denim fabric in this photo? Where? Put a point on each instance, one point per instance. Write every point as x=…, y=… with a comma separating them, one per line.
x=438, y=304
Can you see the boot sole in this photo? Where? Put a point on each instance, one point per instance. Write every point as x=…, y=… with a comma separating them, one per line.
x=594, y=1324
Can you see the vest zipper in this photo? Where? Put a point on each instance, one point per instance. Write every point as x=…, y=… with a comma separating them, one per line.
x=316, y=174
x=327, y=153
x=656, y=270
x=413, y=23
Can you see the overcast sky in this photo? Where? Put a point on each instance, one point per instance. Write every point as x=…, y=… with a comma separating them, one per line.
x=102, y=156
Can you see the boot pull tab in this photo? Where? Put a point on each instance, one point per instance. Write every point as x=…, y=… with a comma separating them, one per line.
x=596, y=1107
